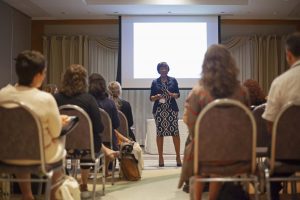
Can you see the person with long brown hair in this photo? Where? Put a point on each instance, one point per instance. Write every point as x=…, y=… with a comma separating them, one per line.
x=218, y=80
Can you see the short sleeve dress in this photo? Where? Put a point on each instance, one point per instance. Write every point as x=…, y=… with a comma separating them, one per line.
x=165, y=110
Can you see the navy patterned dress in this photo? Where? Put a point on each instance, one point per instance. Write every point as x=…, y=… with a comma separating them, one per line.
x=165, y=110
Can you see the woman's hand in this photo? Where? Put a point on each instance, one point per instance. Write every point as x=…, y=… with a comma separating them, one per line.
x=64, y=119
x=174, y=95
x=156, y=97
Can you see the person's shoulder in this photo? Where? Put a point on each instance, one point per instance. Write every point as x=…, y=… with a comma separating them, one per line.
x=111, y=102
x=198, y=89
x=283, y=79
x=172, y=78
x=43, y=95
x=86, y=95
x=154, y=81
x=287, y=76
x=6, y=88
x=124, y=102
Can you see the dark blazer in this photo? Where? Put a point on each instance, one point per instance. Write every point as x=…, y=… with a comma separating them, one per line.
x=126, y=109
x=156, y=87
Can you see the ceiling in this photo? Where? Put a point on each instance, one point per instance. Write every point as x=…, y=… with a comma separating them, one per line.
x=111, y=9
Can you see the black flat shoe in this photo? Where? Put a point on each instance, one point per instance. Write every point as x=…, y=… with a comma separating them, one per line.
x=179, y=164
x=161, y=165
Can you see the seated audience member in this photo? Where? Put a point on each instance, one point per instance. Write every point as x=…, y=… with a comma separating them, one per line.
x=97, y=88
x=218, y=80
x=115, y=91
x=31, y=71
x=50, y=88
x=284, y=89
x=74, y=91
x=256, y=94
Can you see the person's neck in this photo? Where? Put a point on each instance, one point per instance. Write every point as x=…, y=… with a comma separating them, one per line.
x=19, y=85
x=164, y=79
x=295, y=63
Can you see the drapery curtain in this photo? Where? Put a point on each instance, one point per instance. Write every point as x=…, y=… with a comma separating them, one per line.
x=61, y=51
x=103, y=57
x=258, y=57
x=261, y=58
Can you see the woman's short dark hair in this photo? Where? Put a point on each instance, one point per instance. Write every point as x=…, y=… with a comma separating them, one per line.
x=28, y=64
x=74, y=80
x=97, y=85
x=219, y=72
x=162, y=64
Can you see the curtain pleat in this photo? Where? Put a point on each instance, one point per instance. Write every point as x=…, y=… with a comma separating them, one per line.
x=61, y=51
x=261, y=58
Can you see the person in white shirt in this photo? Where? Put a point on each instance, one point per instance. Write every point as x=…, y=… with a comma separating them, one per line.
x=31, y=71
x=285, y=88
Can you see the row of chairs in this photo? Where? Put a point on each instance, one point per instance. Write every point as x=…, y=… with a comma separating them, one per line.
x=226, y=132
x=76, y=140
x=18, y=120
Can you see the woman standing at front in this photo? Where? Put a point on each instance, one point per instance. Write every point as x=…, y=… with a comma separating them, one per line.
x=164, y=92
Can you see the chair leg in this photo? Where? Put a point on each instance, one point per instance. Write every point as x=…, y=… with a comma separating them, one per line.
x=48, y=186
x=285, y=187
x=6, y=186
x=74, y=168
x=40, y=188
x=192, y=182
x=113, y=172
x=294, y=187
x=103, y=175
x=268, y=187
x=94, y=181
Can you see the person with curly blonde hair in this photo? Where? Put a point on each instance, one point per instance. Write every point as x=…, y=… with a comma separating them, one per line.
x=115, y=91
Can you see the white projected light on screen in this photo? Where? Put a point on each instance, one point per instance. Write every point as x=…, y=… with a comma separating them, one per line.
x=181, y=41
x=181, y=45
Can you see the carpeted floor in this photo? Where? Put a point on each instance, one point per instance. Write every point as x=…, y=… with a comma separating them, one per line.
x=157, y=183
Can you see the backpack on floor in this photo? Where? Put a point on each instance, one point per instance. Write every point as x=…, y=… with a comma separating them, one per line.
x=128, y=163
